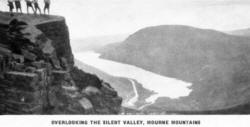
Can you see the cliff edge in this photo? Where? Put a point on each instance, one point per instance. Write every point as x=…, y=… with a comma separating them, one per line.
x=37, y=72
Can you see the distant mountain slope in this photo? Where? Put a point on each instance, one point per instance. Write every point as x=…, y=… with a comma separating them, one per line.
x=241, y=32
x=94, y=43
x=216, y=63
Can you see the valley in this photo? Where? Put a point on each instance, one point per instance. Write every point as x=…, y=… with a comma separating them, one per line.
x=163, y=86
x=176, y=69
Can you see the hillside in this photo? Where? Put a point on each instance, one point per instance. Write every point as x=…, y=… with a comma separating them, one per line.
x=217, y=64
x=38, y=75
x=95, y=43
x=241, y=32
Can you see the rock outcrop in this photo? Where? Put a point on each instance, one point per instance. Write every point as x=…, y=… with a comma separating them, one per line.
x=37, y=73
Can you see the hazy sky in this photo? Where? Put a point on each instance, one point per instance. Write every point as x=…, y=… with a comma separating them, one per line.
x=107, y=17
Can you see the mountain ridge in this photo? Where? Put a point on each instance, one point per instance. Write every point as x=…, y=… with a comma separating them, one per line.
x=215, y=62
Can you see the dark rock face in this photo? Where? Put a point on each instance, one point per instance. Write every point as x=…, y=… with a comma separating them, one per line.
x=104, y=98
x=37, y=74
x=216, y=63
x=20, y=94
x=57, y=31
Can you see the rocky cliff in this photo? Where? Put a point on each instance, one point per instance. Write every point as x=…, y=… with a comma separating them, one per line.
x=37, y=73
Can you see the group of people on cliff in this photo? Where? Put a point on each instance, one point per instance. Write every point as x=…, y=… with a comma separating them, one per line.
x=33, y=4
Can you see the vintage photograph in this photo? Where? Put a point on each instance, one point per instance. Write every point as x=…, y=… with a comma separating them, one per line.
x=124, y=57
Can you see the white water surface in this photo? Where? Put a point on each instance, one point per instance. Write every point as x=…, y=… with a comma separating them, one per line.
x=163, y=86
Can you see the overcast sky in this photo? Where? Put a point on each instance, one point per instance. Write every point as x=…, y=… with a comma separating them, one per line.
x=107, y=17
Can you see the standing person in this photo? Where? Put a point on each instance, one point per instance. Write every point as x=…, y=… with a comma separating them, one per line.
x=29, y=5
x=46, y=5
x=18, y=5
x=36, y=6
x=11, y=6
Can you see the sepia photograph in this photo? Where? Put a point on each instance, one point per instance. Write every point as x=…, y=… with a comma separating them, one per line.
x=125, y=57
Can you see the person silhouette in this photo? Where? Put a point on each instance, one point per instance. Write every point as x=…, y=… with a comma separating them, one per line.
x=18, y=5
x=37, y=6
x=46, y=6
x=11, y=6
x=29, y=5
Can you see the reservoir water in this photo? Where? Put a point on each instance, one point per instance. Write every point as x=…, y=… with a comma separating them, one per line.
x=163, y=86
